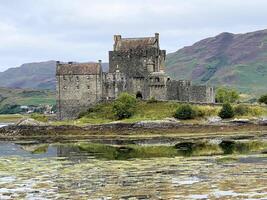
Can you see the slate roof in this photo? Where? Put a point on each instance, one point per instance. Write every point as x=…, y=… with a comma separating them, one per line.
x=78, y=69
x=135, y=43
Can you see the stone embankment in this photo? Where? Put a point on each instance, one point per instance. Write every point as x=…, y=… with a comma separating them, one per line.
x=155, y=127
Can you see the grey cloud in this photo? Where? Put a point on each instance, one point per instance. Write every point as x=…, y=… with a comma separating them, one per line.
x=83, y=30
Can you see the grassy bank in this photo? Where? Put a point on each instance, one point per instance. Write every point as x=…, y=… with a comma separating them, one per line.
x=12, y=118
x=102, y=113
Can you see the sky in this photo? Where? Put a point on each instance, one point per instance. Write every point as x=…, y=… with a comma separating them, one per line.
x=82, y=30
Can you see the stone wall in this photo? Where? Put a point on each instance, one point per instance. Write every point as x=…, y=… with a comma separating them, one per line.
x=76, y=93
x=134, y=62
x=184, y=91
x=172, y=90
x=198, y=93
x=158, y=92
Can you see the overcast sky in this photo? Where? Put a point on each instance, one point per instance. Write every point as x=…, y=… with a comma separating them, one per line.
x=82, y=30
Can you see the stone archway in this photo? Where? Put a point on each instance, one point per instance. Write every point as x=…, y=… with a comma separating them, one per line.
x=139, y=95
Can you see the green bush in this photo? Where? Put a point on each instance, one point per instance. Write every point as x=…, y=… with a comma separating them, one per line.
x=257, y=111
x=241, y=110
x=124, y=106
x=263, y=99
x=226, y=95
x=227, y=111
x=185, y=111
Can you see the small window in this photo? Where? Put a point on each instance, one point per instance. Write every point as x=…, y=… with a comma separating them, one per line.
x=88, y=87
x=64, y=77
x=77, y=78
x=77, y=87
x=157, y=79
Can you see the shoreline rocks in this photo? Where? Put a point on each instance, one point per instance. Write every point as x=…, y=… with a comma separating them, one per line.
x=29, y=122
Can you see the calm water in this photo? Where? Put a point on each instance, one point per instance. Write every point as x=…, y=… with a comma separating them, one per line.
x=92, y=171
x=3, y=124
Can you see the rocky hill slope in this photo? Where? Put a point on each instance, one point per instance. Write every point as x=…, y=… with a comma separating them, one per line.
x=31, y=75
x=236, y=60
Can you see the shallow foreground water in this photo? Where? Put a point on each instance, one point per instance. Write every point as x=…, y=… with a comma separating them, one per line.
x=92, y=171
x=3, y=124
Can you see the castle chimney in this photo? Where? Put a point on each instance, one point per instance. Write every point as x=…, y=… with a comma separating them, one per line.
x=157, y=36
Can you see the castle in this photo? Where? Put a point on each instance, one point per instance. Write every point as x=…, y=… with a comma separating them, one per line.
x=136, y=66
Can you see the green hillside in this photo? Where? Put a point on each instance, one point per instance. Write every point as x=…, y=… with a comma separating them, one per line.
x=26, y=97
x=238, y=61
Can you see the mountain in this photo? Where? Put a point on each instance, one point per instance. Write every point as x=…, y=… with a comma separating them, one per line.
x=31, y=75
x=40, y=75
x=235, y=60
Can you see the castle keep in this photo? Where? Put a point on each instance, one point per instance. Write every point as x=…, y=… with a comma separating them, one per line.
x=136, y=66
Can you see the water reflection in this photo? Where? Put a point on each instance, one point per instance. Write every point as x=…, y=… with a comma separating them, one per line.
x=84, y=150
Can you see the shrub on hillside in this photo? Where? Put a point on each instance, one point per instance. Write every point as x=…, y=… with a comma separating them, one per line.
x=226, y=95
x=124, y=106
x=227, y=111
x=263, y=99
x=205, y=111
x=184, y=112
x=241, y=110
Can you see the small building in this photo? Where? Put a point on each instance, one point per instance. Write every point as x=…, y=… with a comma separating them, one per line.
x=136, y=66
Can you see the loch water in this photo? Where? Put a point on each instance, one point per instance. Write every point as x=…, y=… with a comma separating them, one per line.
x=82, y=170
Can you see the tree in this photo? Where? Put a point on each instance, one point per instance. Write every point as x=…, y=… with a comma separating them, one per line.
x=227, y=111
x=224, y=95
x=124, y=106
x=185, y=111
x=263, y=99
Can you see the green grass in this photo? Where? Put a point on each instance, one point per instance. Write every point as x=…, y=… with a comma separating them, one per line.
x=102, y=113
x=12, y=118
x=39, y=117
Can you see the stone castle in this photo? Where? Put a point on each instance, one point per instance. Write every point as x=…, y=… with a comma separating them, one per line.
x=136, y=66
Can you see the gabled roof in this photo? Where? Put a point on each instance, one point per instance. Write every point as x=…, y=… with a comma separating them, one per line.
x=78, y=68
x=134, y=43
